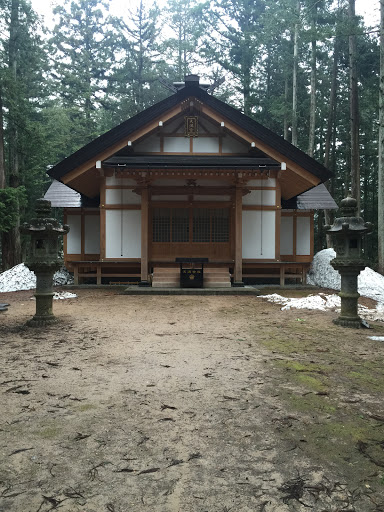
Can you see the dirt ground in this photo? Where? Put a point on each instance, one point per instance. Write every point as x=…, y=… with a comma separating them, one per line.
x=188, y=404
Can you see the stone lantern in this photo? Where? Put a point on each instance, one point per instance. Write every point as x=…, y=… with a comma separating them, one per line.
x=347, y=232
x=43, y=259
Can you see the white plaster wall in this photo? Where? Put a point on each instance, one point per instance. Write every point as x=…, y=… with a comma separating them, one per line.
x=269, y=182
x=123, y=234
x=176, y=144
x=303, y=236
x=149, y=145
x=286, y=235
x=231, y=145
x=92, y=234
x=260, y=197
x=74, y=235
x=111, y=181
x=122, y=196
x=259, y=234
x=206, y=145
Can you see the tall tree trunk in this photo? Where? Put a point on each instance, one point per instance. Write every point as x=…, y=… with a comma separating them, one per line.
x=294, y=77
x=354, y=106
x=380, y=209
x=329, y=136
x=2, y=156
x=11, y=245
x=286, y=122
x=312, y=109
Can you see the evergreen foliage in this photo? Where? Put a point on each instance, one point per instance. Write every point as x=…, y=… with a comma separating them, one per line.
x=61, y=88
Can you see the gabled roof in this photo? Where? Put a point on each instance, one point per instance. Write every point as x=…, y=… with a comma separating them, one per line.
x=318, y=198
x=272, y=145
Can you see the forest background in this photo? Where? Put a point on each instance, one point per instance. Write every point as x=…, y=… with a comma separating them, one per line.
x=307, y=69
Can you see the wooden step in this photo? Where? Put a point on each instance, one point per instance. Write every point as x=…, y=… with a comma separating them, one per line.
x=169, y=277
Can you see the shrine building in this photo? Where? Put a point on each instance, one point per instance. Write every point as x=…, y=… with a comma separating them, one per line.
x=189, y=178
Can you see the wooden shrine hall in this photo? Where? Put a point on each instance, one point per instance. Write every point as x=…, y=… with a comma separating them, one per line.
x=190, y=178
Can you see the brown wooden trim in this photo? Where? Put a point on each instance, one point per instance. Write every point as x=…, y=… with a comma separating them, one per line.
x=121, y=260
x=197, y=190
x=261, y=188
x=118, y=187
x=65, y=244
x=238, y=278
x=122, y=207
x=312, y=235
x=134, y=136
x=278, y=222
x=187, y=204
x=191, y=145
x=82, y=234
x=144, y=234
x=102, y=218
x=259, y=207
x=294, y=242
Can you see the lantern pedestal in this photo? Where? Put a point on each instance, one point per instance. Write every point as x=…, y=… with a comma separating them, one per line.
x=44, y=299
x=349, y=295
x=43, y=259
x=348, y=231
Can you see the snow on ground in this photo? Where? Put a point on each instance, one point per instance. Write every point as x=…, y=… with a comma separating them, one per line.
x=21, y=278
x=323, y=302
x=321, y=273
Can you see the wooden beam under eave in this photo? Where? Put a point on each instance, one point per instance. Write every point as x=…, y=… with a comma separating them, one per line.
x=276, y=155
x=89, y=164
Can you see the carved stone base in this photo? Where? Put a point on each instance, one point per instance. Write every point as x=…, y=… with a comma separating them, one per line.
x=238, y=285
x=353, y=322
x=41, y=321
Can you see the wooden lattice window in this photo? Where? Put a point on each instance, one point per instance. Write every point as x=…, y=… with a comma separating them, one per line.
x=170, y=225
x=211, y=225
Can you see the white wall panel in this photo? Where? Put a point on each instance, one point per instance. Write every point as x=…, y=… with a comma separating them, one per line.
x=74, y=235
x=123, y=234
x=260, y=197
x=259, y=234
x=303, y=236
x=176, y=144
x=286, y=235
x=92, y=234
x=122, y=196
x=206, y=145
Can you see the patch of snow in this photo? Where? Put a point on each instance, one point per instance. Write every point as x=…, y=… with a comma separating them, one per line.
x=61, y=296
x=324, y=302
x=21, y=278
x=321, y=273
x=64, y=295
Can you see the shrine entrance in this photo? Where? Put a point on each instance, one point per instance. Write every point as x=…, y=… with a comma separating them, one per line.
x=191, y=231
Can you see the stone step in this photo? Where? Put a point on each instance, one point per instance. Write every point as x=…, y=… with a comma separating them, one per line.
x=216, y=284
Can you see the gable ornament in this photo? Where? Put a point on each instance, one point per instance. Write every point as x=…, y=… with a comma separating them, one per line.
x=191, y=126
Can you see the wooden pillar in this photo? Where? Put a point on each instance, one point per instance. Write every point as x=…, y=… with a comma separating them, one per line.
x=102, y=217
x=238, y=274
x=144, y=237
